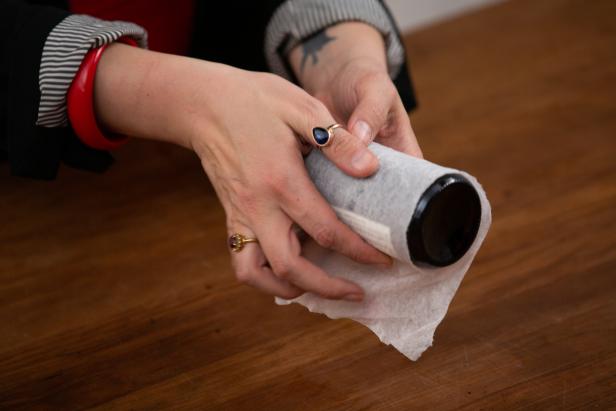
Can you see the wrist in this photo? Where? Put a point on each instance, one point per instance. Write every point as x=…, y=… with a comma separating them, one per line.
x=338, y=48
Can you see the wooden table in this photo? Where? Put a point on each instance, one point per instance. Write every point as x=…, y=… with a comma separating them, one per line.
x=116, y=292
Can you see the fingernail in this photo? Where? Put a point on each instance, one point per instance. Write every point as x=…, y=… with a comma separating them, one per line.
x=354, y=297
x=362, y=160
x=363, y=131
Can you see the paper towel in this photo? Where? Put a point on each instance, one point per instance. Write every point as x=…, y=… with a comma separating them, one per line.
x=404, y=304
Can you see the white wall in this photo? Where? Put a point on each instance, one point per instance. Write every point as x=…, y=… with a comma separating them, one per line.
x=414, y=14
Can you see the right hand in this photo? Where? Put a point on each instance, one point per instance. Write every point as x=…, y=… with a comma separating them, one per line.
x=251, y=147
x=250, y=130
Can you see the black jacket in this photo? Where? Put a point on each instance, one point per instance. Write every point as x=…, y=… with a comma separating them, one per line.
x=37, y=152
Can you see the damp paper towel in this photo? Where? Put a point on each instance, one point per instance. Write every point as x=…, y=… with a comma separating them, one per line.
x=403, y=304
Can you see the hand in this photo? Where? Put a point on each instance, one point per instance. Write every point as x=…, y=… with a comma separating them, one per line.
x=249, y=130
x=345, y=68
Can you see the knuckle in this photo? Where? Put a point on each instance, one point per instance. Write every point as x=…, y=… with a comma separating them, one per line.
x=377, y=109
x=281, y=267
x=355, y=254
x=276, y=182
x=329, y=293
x=325, y=236
x=375, y=79
x=315, y=109
x=342, y=145
x=303, y=210
x=367, y=83
x=244, y=275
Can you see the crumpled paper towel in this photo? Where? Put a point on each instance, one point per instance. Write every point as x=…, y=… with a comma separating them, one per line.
x=404, y=304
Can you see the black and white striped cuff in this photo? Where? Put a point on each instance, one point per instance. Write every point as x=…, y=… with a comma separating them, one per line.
x=63, y=52
x=296, y=20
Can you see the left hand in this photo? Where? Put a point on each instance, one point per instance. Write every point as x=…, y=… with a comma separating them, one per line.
x=345, y=67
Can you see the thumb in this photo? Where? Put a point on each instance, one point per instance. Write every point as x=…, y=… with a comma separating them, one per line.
x=370, y=115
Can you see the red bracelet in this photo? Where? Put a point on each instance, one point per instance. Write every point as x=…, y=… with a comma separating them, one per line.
x=80, y=103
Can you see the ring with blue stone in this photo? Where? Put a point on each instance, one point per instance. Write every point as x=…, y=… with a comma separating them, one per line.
x=324, y=136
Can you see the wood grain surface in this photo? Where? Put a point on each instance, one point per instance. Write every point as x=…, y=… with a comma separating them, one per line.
x=116, y=290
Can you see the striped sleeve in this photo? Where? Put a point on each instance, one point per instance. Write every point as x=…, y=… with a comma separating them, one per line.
x=296, y=20
x=64, y=49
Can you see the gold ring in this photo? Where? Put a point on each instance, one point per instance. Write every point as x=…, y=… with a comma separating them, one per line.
x=324, y=136
x=237, y=241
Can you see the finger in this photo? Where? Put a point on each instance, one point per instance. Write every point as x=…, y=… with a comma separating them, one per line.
x=312, y=212
x=399, y=134
x=282, y=249
x=371, y=113
x=343, y=149
x=251, y=268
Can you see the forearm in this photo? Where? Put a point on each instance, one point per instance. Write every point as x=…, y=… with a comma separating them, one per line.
x=317, y=60
x=149, y=95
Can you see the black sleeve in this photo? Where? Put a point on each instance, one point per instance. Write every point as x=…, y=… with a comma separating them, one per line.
x=403, y=81
x=33, y=151
x=242, y=43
